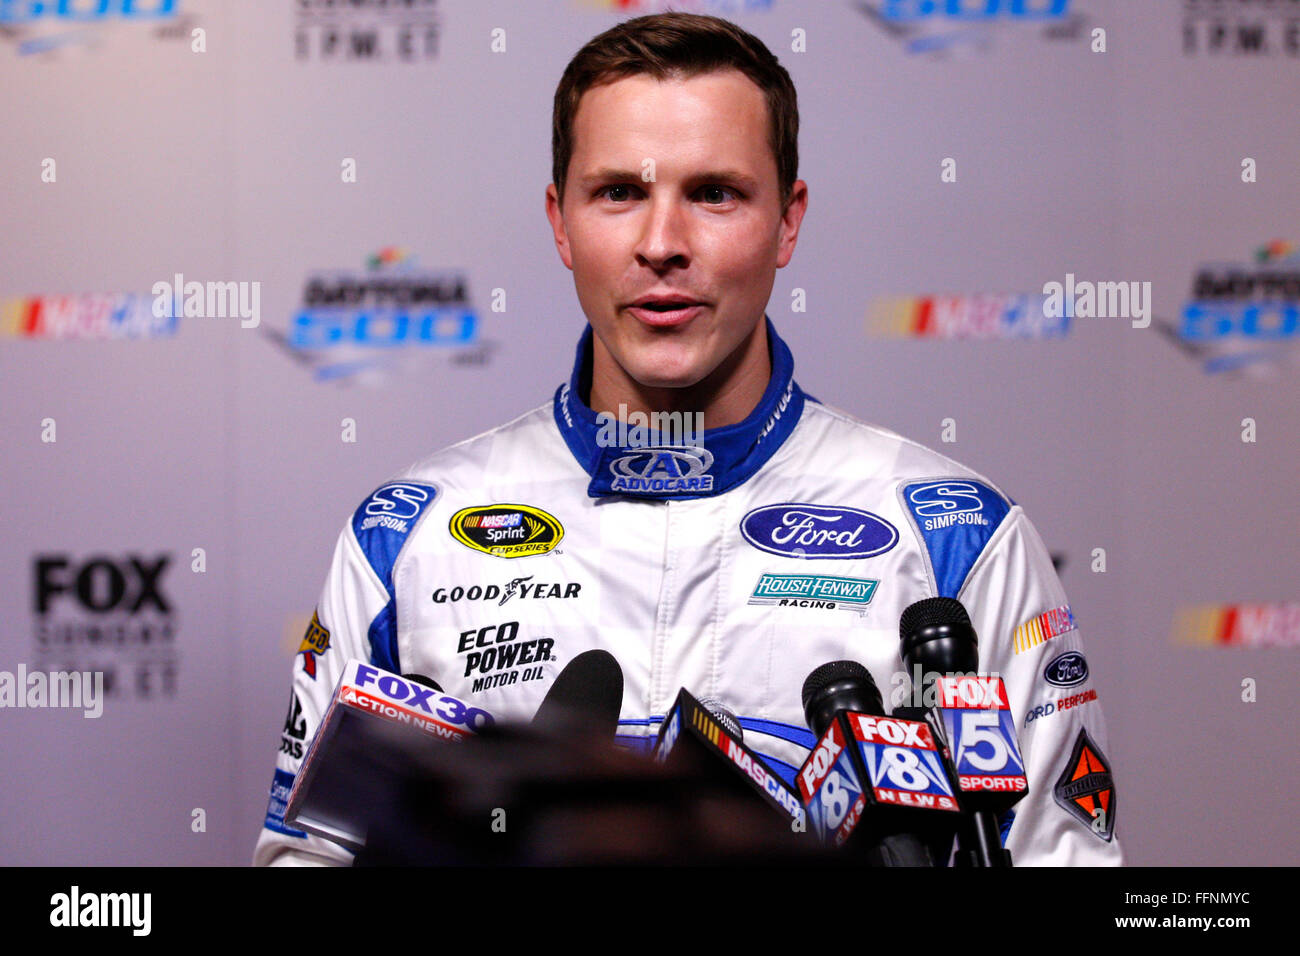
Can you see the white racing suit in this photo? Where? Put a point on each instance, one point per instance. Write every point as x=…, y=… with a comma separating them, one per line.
x=732, y=566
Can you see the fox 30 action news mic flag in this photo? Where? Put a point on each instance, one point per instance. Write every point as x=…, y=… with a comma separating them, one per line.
x=879, y=785
x=373, y=741
x=939, y=642
x=358, y=759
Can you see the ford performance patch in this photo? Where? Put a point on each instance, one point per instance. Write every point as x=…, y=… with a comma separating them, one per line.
x=955, y=517
x=818, y=531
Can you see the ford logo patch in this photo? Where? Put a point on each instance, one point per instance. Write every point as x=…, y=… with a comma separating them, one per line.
x=818, y=531
x=1067, y=670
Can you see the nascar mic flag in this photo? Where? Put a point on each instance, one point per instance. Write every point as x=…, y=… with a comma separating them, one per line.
x=691, y=731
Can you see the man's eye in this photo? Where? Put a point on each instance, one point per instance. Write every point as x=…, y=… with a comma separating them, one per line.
x=617, y=193
x=710, y=192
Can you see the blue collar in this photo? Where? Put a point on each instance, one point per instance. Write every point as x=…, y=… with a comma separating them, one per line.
x=634, y=460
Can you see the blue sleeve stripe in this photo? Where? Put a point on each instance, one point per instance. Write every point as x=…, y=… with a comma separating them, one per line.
x=795, y=735
x=381, y=526
x=1004, y=824
x=383, y=639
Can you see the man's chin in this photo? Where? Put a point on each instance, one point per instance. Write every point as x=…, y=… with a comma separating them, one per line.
x=668, y=365
x=657, y=379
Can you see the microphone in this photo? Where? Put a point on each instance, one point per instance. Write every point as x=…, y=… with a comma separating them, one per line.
x=730, y=723
x=939, y=643
x=586, y=698
x=865, y=761
x=708, y=739
x=424, y=681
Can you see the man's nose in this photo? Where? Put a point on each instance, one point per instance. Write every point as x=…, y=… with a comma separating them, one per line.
x=664, y=233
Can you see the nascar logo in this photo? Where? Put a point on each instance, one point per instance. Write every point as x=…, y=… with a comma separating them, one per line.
x=506, y=530
x=1044, y=627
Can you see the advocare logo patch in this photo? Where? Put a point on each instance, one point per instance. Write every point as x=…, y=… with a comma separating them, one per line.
x=818, y=531
x=507, y=530
x=663, y=470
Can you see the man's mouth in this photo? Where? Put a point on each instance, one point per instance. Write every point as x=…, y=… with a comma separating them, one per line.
x=666, y=306
x=666, y=310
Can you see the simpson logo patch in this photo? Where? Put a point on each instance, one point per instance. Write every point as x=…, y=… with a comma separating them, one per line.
x=507, y=531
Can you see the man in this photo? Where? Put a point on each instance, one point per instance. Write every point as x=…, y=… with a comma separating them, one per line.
x=674, y=201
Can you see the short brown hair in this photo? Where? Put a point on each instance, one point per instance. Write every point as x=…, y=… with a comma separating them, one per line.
x=678, y=46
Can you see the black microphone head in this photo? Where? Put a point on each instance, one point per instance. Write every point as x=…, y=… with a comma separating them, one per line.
x=586, y=697
x=837, y=686
x=937, y=635
x=426, y=681
x=724, y=717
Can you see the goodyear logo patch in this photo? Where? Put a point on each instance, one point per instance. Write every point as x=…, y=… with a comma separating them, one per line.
x=507, y=530
x=314, y=643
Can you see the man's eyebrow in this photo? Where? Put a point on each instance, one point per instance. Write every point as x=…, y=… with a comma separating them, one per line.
x=610, y=174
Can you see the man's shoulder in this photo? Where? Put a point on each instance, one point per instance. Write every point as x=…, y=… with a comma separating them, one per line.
x=873, y=450
x=492, y=452
x=526, y=446
x=493, y=457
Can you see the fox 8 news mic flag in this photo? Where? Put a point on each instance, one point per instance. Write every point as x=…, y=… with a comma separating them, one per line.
x=870, y=763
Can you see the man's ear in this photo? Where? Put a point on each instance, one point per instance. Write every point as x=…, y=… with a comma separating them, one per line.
x=556, y=217
x=791, y=219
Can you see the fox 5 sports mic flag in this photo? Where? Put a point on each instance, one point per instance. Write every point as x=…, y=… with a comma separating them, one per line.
x=982, y=739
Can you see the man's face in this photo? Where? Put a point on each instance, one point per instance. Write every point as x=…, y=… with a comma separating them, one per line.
x=706, y=231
